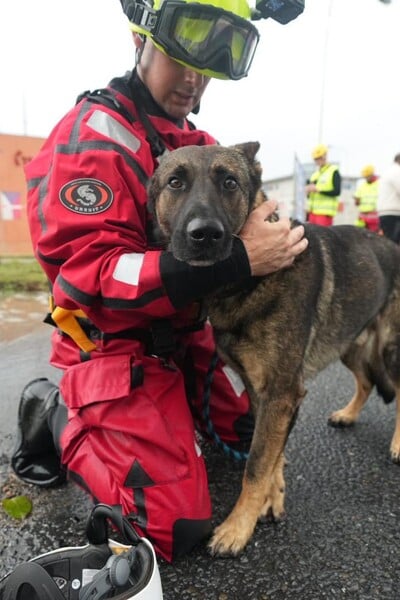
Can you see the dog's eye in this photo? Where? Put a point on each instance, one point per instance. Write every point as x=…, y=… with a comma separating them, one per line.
x=175, y=183
x=230, y=184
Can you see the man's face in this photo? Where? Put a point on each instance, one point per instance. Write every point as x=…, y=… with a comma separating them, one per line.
x=176, y=88
x=321, y=161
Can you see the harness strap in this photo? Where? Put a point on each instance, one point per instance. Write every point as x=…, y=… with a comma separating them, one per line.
x=159, y=339
x=157, y=145
x=106, y=97
x=67, y=321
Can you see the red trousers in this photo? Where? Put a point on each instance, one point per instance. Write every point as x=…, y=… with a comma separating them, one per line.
x=324, y=220
x=130, y=438
x=370, y=220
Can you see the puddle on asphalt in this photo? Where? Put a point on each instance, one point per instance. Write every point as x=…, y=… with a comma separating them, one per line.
x=21, y=313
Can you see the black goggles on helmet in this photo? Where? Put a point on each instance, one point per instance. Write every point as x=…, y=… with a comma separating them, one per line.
x=209, y=39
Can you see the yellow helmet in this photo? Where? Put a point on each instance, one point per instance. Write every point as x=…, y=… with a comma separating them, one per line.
x=212, y=37
x=319, y=151
x=368, y=170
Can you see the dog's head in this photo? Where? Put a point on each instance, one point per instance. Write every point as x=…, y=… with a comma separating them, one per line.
x=200, y=196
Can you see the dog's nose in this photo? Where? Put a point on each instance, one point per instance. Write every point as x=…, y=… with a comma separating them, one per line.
x=205, y=231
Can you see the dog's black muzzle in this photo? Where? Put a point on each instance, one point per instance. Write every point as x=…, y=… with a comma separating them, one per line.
x=202, y=241
x=202, y=232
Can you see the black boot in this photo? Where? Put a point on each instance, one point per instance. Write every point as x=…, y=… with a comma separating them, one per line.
x=35, y=458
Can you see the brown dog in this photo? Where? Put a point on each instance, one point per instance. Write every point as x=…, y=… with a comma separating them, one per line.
x=341, y=299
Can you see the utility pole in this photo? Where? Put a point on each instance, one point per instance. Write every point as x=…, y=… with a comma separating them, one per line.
x=324, y=73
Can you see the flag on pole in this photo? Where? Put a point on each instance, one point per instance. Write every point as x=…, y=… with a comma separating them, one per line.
x=10, y=206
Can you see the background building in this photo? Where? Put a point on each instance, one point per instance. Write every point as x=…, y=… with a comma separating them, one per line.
x=288, y=191
x=15, y=152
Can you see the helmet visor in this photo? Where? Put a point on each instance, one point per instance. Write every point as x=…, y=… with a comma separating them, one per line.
x=206, y=37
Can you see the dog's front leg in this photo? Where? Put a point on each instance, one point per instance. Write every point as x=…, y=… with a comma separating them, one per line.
x=263, y=472
x=275, y=496
x=347, y=415
x=395, y=444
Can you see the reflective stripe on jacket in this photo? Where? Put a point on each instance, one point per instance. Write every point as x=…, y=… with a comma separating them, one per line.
x=318, y=202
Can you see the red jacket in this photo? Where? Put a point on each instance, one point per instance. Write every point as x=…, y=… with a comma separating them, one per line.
x=87, y=209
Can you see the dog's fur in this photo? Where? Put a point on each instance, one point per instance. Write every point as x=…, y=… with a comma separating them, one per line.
x=340, y=299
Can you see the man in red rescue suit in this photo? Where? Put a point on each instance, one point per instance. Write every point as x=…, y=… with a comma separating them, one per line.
x=130, y=335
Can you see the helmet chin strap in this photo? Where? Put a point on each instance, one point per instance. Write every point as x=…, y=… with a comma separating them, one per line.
x=139, y=49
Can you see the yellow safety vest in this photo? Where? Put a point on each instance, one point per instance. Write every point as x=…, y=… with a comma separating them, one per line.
x=367, y=193
x=318, y=203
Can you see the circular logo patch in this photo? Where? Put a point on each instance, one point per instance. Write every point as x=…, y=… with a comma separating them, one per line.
x=86, y=196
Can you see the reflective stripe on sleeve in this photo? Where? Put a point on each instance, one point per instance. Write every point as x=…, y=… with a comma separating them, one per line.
x=128, y=268
x=103, y=123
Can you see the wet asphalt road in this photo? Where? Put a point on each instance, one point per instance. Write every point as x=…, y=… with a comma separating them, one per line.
x=341, y=535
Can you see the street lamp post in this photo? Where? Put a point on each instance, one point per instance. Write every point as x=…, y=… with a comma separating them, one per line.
x=324, y=74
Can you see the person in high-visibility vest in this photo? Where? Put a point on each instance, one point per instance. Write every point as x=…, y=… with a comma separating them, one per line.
x=366, y=197
x=323, y=189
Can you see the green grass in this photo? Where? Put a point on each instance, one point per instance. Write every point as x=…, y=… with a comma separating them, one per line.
x=21, y=274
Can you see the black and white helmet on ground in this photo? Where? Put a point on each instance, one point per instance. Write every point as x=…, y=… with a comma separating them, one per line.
x=101, y=569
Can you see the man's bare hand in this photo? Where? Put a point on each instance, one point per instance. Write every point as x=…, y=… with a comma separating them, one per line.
x=310, y=187
x=271, y=246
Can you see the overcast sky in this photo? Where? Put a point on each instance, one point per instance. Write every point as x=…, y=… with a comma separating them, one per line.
x=332, y=73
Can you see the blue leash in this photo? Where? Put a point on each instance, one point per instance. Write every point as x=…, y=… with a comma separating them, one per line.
x=234, y=454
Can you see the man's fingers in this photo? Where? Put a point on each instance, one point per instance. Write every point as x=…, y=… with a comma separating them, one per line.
x=300, y=246
x=299, y=242
x=296, y=234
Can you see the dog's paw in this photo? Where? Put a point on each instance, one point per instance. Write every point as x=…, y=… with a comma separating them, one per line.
x=340, y=419
x=395, y=457
x=229, y=538
x=395, y=452
x=271, y=514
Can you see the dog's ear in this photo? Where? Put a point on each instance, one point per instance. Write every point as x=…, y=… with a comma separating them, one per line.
x=249, y=149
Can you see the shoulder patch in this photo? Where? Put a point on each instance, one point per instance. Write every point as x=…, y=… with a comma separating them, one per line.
x=86, y=196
